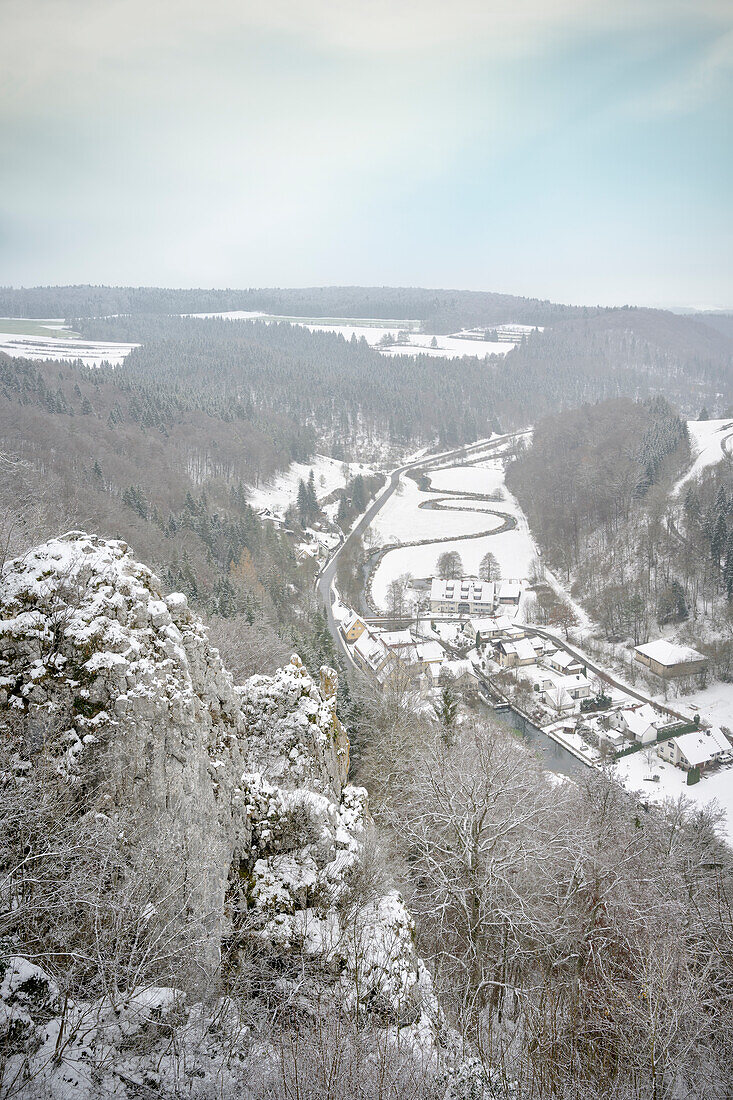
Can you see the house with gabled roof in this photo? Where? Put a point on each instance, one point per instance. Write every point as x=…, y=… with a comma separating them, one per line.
x=670, y=660
x=698, y=749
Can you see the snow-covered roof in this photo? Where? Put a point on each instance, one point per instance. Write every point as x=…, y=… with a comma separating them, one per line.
x=371, y=648
x=559, y=698
x=646, y=710
x=465, y=590
x=564, y=660
x=509, y=590
x=487, y=624
x=351, y=620
x=396, y=639
x=636, y=722
x=578, y=680
x=669, y=653
x=525, y=650
x=428, y=652
x=701, y=746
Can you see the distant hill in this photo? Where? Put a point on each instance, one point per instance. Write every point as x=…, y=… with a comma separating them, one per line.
x=721, y=322
x=439, y=309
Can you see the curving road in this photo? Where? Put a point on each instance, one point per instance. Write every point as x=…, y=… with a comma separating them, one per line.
x=326, y=577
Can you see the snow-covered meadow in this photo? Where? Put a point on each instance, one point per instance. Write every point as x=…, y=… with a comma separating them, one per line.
x=635, y=772
x=448, y=347
x=710, y=441
x=33, y=343
x=329, y=474
x=403, y=520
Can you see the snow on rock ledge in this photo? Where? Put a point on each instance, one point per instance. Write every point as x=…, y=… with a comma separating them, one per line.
x=122, y=689
x=118, y=685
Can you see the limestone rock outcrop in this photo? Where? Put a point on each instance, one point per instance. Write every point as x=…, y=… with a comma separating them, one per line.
x=117, y=685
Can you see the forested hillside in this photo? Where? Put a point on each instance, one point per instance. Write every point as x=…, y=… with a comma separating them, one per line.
x=350, y=397
x=168, y=473
x=341, y=392
x=597, y=484
x=633, y=353
x=440, y=309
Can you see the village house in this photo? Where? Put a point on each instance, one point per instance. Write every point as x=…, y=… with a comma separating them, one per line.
x=577, y=686
x=514, y=632
x=612, y=739
x=400, y=642
x=352, y=628
x=480, y=631
x=372, y=656
x=306, y=550
x=272, y=517
x=509, y=593
x=642, y=722
x=390, y=656
x=699, y=749
x=670, y=660
x=564, y=662
x=429, y=655
x=566, y=693
x=515, y=654
x=559, y=700
x=462, y=597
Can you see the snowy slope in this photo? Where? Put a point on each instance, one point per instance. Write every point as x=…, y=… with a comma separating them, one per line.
x=449, y=347
x=67, y=350
x=283, y=490
x=711, y=441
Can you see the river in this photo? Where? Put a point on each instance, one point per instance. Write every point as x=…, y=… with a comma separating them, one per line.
x=553, y=756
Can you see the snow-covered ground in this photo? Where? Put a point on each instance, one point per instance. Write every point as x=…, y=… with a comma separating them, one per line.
x=329, y=473
x=714, y=705
x=401, y=520
x=92, y=353
x=711, y=441
x=51, y=338
x=634, y=772
x=420, y=561
x=448, y=347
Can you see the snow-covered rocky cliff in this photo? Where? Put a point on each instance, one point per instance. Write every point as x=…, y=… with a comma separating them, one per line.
x=117, y=687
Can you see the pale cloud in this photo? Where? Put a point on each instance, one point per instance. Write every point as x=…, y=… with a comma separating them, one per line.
x=271, y=140
x=703, y=78
x=42, y=33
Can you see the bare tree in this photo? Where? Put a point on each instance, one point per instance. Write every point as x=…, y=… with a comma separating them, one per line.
x=449, y=565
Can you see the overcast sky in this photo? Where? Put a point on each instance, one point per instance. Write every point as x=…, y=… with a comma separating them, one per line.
x=579, y=150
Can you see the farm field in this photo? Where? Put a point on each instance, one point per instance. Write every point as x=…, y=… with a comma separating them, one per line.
x=373, y=330
x=50, y=338
x=403, y=520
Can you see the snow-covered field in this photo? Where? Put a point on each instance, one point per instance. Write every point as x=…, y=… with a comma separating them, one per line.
x=401, y=520
x=420, y=562
x=68, y=349
x=448, y=347
x=710, y=441
x=329, y=473
x=634, y=772
x=714, y=705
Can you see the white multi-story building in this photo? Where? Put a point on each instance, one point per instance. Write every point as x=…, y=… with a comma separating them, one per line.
x=462, y=597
